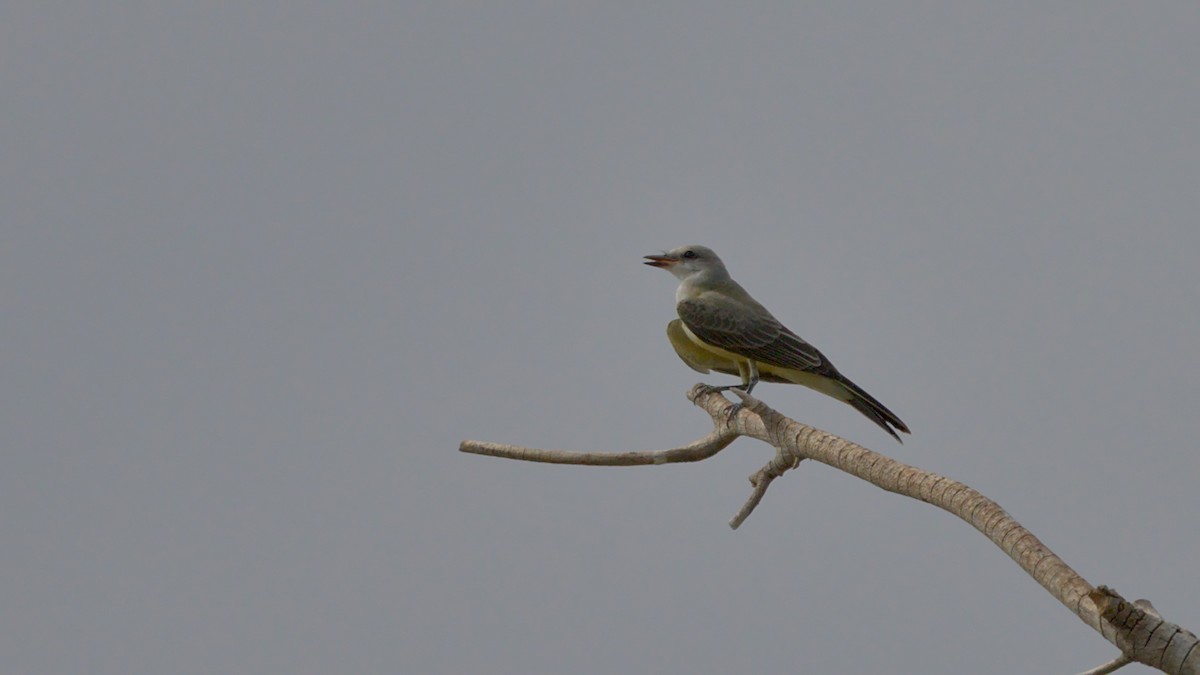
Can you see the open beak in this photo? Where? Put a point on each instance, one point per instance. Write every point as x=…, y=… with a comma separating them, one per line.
x=660, y=260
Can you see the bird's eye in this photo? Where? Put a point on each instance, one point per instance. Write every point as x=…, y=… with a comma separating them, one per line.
x=689, y=254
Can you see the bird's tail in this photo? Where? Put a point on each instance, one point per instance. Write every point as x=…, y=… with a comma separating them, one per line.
x=874, y=410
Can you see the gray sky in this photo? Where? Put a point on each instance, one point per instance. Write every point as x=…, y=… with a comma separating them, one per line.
x=265, y=265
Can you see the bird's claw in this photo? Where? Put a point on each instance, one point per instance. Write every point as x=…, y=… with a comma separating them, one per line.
x=732, y=411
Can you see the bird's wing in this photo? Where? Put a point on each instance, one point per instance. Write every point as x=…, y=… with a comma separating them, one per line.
x=689, y=352
x=750, y=332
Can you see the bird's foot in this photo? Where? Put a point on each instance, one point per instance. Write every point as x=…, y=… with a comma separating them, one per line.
x=706, y=389
x=732, y=411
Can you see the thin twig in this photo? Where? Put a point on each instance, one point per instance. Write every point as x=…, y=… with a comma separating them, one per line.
x=695, y=451
x=1104, y=669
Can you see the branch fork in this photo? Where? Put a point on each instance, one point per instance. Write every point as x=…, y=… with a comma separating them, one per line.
x=1134, y=628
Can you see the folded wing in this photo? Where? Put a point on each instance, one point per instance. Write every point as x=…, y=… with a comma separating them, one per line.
x=751, y=333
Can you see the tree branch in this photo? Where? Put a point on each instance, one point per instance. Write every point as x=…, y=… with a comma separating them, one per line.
x=1112, y=666
x=1136, y=629
x=692, y=452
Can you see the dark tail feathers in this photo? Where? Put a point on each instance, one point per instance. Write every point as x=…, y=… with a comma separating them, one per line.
x=875, y=411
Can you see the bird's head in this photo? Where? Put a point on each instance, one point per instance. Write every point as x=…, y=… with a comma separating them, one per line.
x=687, y=261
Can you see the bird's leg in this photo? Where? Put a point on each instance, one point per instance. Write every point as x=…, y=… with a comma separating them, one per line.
x=749, y=373
x=713, y=389
x=748, y=381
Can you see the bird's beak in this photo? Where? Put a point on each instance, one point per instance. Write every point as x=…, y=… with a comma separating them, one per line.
x=660, y=260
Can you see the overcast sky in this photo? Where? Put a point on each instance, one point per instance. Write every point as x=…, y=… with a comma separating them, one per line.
x=265, y=265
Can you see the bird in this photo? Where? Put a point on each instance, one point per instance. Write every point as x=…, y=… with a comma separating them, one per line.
x=721, y=327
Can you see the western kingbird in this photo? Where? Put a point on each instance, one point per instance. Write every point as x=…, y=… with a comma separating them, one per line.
x=722, y=328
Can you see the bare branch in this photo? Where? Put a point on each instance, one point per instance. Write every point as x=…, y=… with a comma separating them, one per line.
x=761, y=480
x=692, y=452
x=1135, y=628
x=1140, y=633
x=1117, y=663
x=1124, y=659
